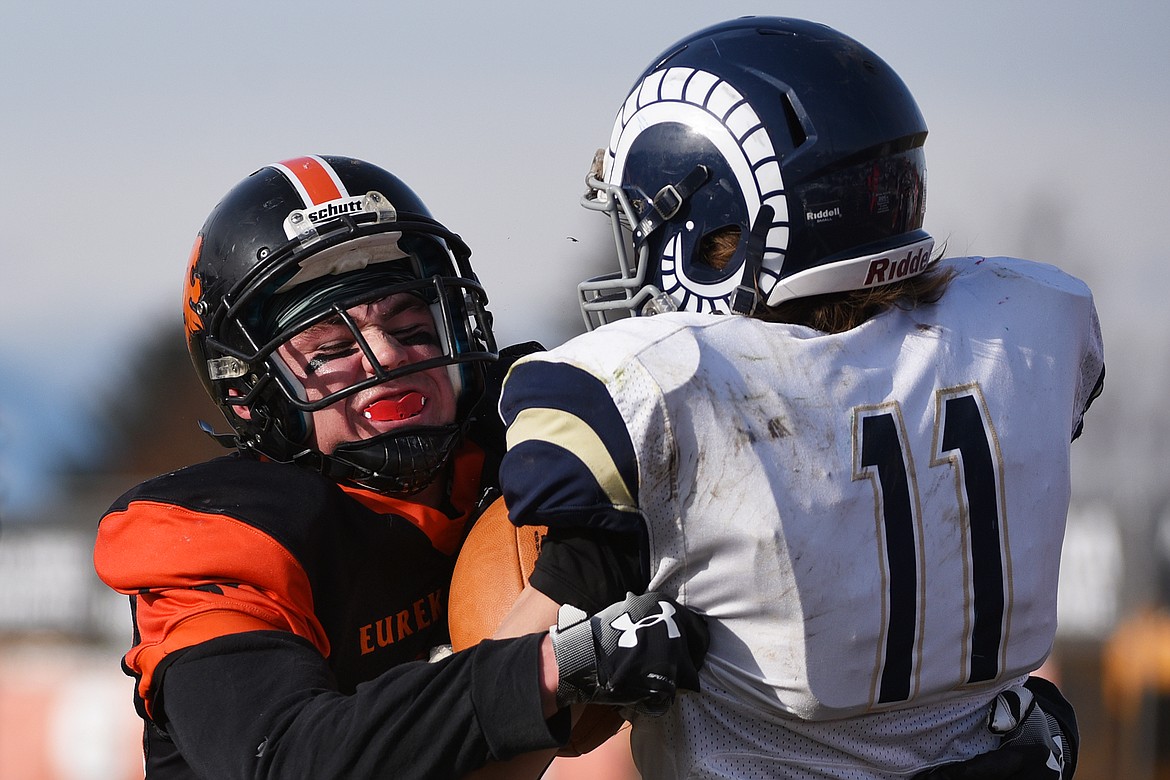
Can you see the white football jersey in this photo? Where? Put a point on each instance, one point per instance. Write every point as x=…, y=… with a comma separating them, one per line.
x=871, y=520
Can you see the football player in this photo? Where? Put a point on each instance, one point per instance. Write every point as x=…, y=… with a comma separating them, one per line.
x=851, y=455
x=281, y=593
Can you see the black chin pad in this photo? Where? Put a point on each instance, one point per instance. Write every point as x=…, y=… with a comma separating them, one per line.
x=399, y=462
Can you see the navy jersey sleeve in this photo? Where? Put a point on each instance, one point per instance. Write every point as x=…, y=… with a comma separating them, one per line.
x=570, y=459
x=590, y=569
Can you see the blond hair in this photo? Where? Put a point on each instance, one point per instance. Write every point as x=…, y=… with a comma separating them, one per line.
x=842, y=311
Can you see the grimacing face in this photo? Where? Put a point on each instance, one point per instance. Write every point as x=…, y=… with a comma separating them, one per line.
x=325, y=358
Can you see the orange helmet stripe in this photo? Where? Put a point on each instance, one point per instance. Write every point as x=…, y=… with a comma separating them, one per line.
x=313, y=178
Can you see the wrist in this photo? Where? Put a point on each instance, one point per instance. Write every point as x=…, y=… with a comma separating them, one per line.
x=549, y=674
x=574, y=647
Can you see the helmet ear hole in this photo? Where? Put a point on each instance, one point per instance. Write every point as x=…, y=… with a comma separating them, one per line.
x=718, y=247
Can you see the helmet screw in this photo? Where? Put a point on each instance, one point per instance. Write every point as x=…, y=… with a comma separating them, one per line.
x=296, y=217
x=262, y=252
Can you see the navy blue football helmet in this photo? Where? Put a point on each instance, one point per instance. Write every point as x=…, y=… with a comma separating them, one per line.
x=304, y=240
x=793, y=137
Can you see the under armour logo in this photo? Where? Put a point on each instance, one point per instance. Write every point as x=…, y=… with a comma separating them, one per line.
x=629, y=628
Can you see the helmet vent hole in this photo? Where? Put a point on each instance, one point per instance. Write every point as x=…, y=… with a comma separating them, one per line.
x=795, y=127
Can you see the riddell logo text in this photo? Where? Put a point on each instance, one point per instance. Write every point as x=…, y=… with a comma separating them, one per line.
x=884, y=270
x=335, y=209
x=822, y=214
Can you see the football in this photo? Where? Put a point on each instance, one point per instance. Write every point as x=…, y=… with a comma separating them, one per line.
x=491, y=570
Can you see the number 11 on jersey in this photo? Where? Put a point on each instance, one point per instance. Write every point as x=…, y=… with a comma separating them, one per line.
x=964, y=440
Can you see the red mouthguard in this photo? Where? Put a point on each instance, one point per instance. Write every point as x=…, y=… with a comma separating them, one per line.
x=390, y=409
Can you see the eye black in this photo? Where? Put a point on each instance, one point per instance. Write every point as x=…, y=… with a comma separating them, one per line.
x=318, y=361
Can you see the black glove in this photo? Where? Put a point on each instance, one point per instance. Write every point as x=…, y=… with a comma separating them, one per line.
x=635, y=653
x=1035, y=744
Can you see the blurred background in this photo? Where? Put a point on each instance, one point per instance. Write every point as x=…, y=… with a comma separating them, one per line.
x=125, y=122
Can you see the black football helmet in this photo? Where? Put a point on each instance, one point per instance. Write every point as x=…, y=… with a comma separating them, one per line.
x=304, y=240
x=787, y=133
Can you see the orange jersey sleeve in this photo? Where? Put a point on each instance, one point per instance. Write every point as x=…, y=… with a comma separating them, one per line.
x=196, y=577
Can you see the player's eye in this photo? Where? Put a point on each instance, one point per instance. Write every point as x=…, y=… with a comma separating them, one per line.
x=416, y=337
x=327, y=354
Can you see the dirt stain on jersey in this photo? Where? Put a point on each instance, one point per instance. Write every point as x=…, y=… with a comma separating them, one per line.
x=777, y=429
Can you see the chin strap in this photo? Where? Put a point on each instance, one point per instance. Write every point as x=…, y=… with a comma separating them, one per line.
x=668, y=201
x=399, y=463
x=395, y=462
x=743, y=300
x=226, y=440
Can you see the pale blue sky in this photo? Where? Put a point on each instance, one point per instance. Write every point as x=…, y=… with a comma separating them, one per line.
x=126, y=121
